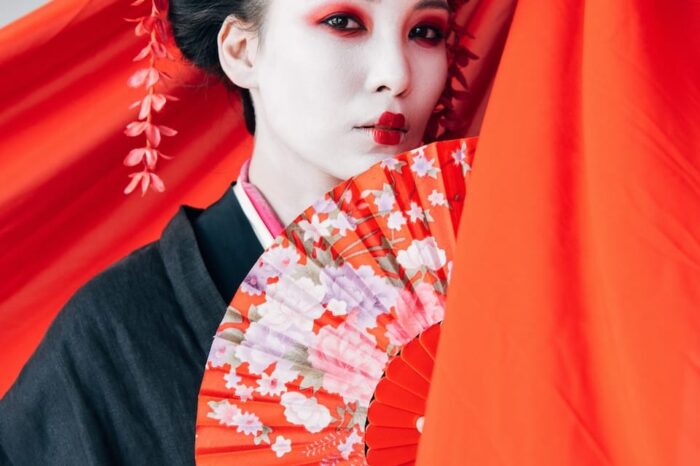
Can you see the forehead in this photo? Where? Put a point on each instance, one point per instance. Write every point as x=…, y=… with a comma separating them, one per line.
x=393, y=4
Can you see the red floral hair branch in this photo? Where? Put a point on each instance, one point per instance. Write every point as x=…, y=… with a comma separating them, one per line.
x=446, y=122
x=155, y=28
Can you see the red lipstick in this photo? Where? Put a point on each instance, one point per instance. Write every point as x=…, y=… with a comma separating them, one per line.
x=389, y=128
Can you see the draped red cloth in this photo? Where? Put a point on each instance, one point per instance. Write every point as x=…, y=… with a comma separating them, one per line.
x=572, y=333
x=65, y=104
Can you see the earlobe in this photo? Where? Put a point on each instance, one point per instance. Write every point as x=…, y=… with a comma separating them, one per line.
x=237, y=50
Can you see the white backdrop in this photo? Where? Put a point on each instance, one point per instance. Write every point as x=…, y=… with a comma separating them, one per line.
x=13, y=9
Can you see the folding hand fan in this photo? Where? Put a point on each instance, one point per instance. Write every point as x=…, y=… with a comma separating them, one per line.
x=310, y=332
x=396, y=415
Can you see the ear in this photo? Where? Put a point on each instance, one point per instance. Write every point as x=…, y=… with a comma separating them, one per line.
x=238, y=45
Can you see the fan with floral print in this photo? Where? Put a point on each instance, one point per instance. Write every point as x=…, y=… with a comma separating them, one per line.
x=306, y=339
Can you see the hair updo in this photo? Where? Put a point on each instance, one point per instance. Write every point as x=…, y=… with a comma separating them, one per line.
x=196, y=24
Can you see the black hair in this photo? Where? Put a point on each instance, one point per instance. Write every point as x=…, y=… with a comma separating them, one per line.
x=196, y=24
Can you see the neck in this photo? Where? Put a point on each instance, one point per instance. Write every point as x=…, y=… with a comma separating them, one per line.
x=288, y=182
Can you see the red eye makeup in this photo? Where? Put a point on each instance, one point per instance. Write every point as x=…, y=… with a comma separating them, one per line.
x=325, y=12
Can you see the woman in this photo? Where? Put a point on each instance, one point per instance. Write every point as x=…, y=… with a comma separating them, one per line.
x=329, y=89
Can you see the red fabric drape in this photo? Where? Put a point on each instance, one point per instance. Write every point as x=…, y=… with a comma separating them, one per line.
x=65, y=104
x=572, y=334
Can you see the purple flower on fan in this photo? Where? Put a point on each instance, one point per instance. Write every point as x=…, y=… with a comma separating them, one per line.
x=262, y=347
x=360, y=289
x=256, y=281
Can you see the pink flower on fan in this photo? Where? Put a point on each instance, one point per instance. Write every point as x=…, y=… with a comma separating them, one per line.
x=221, y=352
x=247, y=423
x=224, y=412
x=415, y=312
x=350, y=361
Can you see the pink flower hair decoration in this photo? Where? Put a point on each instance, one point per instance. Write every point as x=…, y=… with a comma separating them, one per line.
x=155, y=28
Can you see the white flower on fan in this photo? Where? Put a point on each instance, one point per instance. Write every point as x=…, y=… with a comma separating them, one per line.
x=224, y=412
x=292, y=306
x=390, y=163
x=344, y=223
x=244, y=392
x=247, y=423
x=280, y=260
x=415, y=213
x=460, y=158
x=307, y=412
x=337, y=307
x=232, y=379
x=460, y=155
x=423, y=166
x=282, y=446
x=316, y=228
x=437, y=198
x=221, y=352
x=422, y=253
x=284, y=372
x=276, y=383
x=384, y=200
x=348, y=445
x=325, y=205
x=396, y=221
x=270, y=385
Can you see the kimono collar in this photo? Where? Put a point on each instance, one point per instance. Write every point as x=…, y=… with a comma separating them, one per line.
x=262, y=213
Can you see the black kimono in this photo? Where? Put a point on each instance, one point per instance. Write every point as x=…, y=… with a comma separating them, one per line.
x=116, y=377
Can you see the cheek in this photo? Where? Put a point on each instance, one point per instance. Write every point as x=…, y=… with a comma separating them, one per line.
x=430, y=76
x=309, y=83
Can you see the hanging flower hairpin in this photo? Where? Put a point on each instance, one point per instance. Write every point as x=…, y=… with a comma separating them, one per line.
x=446, y=122
x=154, y=27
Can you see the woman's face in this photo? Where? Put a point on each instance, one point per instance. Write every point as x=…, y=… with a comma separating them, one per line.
x=328, y=71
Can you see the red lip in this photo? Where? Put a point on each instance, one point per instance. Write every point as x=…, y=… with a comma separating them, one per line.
x=389, y=128
x=388, y=120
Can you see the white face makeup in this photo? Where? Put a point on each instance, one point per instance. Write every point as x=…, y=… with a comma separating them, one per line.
x=328, y=68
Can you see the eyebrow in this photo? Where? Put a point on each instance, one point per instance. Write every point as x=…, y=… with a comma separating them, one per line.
x=426, y=4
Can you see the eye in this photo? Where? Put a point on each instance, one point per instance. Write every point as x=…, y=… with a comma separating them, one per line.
x=342, y=21
x=426, y=32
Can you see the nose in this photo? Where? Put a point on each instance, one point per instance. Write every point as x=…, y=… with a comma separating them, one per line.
x=389, y=69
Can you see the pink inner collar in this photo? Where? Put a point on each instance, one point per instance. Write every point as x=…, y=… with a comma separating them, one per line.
x=262, y=207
